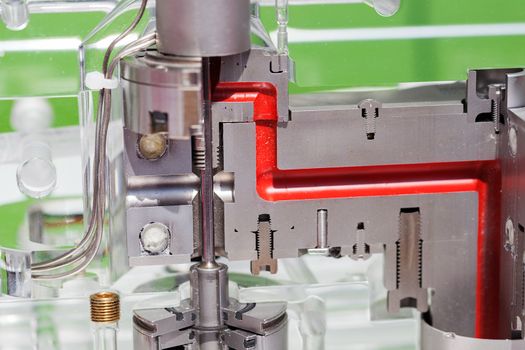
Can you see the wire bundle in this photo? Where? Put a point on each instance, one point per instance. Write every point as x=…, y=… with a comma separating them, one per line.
x=78, y=258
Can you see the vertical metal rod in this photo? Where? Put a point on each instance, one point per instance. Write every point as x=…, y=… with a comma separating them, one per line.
x=207, y=232
x=322, y=228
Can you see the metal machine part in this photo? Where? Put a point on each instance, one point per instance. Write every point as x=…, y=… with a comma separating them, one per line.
x=288, y=195
x=434, y=339
x=264, y=247
x=218, y=160
x=168, y=94
x=162, y=101
x=204, y=28
x=161, y=94
x=419, y=192
x=211, y=320
x=409, y=264
x=264, y=223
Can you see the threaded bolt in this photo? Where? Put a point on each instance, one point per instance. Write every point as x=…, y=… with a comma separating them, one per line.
x=370, y=111
x=496, y=96
x=197, y=144
x=105, y=307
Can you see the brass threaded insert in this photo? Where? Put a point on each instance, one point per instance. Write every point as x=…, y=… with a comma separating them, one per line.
x=105, y=307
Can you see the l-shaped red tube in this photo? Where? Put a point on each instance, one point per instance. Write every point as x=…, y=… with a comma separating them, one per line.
x=483, y=177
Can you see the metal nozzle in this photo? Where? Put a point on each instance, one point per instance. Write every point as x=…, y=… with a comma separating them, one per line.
x=105, y=307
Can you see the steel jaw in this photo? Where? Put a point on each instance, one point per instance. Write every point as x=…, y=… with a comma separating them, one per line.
x=248, y=326
x=163, y=328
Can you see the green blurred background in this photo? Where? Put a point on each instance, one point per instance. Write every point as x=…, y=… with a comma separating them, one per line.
x=54, y=72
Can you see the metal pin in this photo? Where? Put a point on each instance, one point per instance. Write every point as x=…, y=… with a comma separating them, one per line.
x=322, y=228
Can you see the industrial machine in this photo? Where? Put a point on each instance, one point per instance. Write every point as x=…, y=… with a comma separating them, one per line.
x=196, y=158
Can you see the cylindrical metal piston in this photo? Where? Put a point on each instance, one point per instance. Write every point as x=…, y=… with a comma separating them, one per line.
x=152, y=191
x=203, y=28
x=209, y=294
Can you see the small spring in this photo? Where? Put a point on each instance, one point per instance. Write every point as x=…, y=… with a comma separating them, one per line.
x=398, y=264
x=495, y=109
x=420, y=264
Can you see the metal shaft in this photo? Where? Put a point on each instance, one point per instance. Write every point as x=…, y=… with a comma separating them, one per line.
x=207, y=231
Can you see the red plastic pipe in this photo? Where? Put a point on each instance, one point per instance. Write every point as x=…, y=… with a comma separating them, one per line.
x=482, y=177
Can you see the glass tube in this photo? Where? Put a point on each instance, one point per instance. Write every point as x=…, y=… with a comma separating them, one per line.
x=281, y=11
x=105, y=336
x=15, y=14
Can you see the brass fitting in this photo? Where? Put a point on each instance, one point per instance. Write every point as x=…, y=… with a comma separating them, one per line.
x=105, y=307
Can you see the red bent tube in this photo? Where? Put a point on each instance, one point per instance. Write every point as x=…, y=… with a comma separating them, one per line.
x=482, y=177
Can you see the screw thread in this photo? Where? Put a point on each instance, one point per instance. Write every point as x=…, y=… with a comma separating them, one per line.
x=495, y=113
x=105, y=307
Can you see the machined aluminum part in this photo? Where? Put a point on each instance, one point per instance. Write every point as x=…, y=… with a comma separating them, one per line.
x=159, y=191
x=212, y=320
x=409, y=264
x=151, y=191
x=204, y=28
x=427, y=255
x=209, y=287
x=435, y=339
x=161, y=94
x=163, y=328
x=512, y=248
x=438, y=130
x=258, y=64
x=264, y=247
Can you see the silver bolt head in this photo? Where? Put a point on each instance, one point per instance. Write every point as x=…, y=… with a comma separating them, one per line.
x=495, y=91
x=152, y=146
x=155, y=238
x=369, y=104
